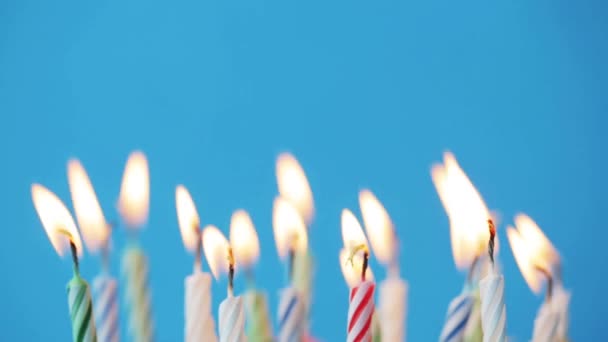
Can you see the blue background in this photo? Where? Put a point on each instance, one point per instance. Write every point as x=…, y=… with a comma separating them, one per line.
x=365, y=95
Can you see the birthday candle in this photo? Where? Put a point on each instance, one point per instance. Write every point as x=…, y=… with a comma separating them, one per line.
x=133, y=208
x=246, y=248
x=361, y=298
x=291, y=240
x=493, y=311
x=61, y=230
x=197, y=300
x=457, y=317
x=96, y=233
x=220, y=257
x=546, y=324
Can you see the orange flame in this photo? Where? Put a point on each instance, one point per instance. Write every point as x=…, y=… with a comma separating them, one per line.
x=244, y=239
x=379, y=227
x=134, y=200
x=294, y=186
x=187, y=218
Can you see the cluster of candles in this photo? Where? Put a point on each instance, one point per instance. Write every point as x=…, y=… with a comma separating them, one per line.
x=477, y=314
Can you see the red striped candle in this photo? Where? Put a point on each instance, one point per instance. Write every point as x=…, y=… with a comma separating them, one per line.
x=360, y=311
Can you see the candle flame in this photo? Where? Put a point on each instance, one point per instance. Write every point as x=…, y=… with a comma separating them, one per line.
x=244, y=239
x=134, y=200
x=293, y=185
x=352, y=268
x=466, y=210
x=379, y=227
x=289, y=228
x=352, y=233
x=217, y=251
x=187, y=218
x=95, y=229
x=56, y=220
x=532, y=250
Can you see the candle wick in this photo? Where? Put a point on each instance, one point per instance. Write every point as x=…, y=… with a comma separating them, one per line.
x=291, y=261
x=491, y=242
x=250, y=277
x=230, y=272
x=73, y=249
x=199, y=249
x=365, y=264
x=105, y=257
x=547, y=274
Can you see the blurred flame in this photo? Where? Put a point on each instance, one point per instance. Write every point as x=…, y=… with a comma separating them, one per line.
x=352, y=272
x=352, y=233
x=55, y=216
x=294, y=186
x=216, y=249
x=289, y=228
x=187, y=218
x=379, y=227
x=465, y=208
x=134, y=200
x=532, y=250
x=244, y=239
x=91, y=220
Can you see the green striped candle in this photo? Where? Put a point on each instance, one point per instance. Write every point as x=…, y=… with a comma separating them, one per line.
x=81, y=310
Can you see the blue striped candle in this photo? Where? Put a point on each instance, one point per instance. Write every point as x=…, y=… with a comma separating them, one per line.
x=291, y=316
x=105, y=297
x=458, y=315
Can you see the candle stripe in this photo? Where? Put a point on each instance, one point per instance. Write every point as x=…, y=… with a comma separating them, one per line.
x=81, y=311
x=291, y=316
x=360, y=312
x=457, y=317
x=493, y=311
x=105, y=294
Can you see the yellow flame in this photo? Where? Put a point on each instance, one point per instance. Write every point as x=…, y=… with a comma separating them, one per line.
x=465, y=208
x=289, y=228
x=187, y=218
x=134, y=200
x=216, y=249
x=55, y=217
x=352, y=233
x=95, y=229
x=294, y=186
x=352, y=271
x=379, y=227
x=532, y=250
x=244, y=239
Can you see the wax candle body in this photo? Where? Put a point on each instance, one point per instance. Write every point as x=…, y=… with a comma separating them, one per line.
x=546, y=324
x=393, y=309
x=81, y=310
x=493, y=311
x=291, y=316
x=197, y=304
x=376, y=331
x=232, y=320
x=137, y=295
x=473, y=331
x=360, y=311
x=258, y=320
x=105, y=296
x=561, y=298
x=457, y=317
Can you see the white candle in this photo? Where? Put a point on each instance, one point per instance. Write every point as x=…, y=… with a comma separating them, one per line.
x=232, y=320
x=561, y=298
x=290, y=316
x=492, y=291
x=546, y=323
x=392, y=309
x=199, y=325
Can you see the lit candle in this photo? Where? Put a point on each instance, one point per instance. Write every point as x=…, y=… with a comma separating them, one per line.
x=96, y=232
x=61, y=230
x=392, y=311
x=294, y=187
x=537, y=259
x=291, y=240
x=492, y=290
x=220, y=258
x=244, y=240
x=361, y=298
x=133, y=207
x=200, y=325
x=468, y=217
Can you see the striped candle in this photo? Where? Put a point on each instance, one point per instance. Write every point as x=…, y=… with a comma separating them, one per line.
x=457, y=317
x=105, y=292
x=137, y=295
x=546, y=324
x=493, y=311
x=473, y=331
x=258, y=321
x=291, y=316
x=199, y=322
x=303, y=271
x=232, y=320
x=360, y=311
x=81, y=310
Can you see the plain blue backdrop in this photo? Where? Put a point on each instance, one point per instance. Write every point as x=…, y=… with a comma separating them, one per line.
x=365, y=94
